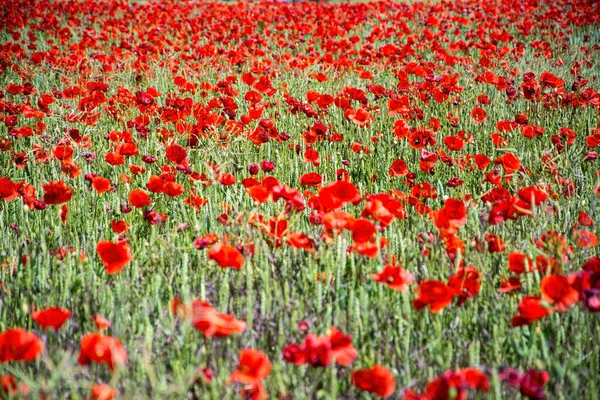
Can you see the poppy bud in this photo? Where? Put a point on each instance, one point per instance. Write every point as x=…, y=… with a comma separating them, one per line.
x=253, y=169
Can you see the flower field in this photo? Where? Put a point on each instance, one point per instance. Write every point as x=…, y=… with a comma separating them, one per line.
x=299, y=200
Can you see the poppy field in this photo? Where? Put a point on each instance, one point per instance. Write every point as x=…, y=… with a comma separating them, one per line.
x=299, y=200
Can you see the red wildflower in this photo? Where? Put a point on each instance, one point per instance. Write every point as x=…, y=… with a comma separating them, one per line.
x=557, y=290
x=176, y=153
x=19, y=345
x=54, y=317
x=517, y=261
x=8, y=189
x=114, y=256
x=138, y=198
x=311, y=179
x=101, y=349
x=377, y=379
x=465, y=283
x=101, y=185
x=205, y=318
x=226, y=256
x=395, y=277
x=434, y=294
x=530, y=309
x=56, y=193
x=343, y=352
x=102, y=392
x=253, y=367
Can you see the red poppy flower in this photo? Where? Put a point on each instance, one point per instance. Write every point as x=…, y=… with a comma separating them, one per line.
x=337, y=194
x=510, y=285
x=300, y=240
x=395, y=277
x=465, y=283
x=19, y=345
x=343, y=352
x=530, y=310
x=517, y=261
x=226, y=256
x=311, y=179
x=54, y=317
x=363, y=230
x=176, y=153
x=317, y=350
x=101, y=185
x=557, y=290
x=398, y=168
x=114, y=256
x=119, y=227
x=8, y=189
x=56, y=193
x=253, y=367
x=377, y=379
x=102, y=392
x=206, y=319
x=434, y=294
x=101, y=349
x=452, y=216
x=138, y=198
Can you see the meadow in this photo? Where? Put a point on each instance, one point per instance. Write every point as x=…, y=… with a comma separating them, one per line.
x=299, y=200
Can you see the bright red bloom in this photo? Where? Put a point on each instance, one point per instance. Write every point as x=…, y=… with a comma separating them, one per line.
x=530, y=309
x=311, y=179
x=8, y=189
x=336, y=194
x=465, y=283
x=101, y=185
x=317, y=350
x=343, y=351
x=102, y=392
x=54, y=317
x=138, y=198
x=300, y=240
x=377, y=379
x=395, y=277
x=253, y=367
x=226, y=256
x=320, y=351
x=517, y=261
x=206, y=319
x=19, y=345
x=56, y=193
x=363, y=230
x=398, y=168
x=176, y=153
x=101, y=349
x=114, y=256
x=557, y=290
x=510, y=285
x=434, y=294
x=452, y=216
x=119, y=227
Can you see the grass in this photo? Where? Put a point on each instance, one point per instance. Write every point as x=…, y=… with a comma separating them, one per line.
x=279, y=287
